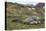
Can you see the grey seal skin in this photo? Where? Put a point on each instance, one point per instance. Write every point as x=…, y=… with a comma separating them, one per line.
x=36, y=18
x=32, y=20
x=29, y=20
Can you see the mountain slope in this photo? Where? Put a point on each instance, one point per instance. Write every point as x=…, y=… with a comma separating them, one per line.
x=14, y=9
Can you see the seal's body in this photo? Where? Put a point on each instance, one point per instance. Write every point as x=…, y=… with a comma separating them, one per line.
x=32, y=20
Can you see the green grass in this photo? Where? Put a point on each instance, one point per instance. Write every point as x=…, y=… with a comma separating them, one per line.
x=13, y=25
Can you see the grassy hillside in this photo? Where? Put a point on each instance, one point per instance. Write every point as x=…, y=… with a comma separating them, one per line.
x=14, y=10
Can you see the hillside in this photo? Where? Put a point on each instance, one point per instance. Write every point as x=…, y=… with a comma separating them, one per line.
x=14, y=9
x=21, y=12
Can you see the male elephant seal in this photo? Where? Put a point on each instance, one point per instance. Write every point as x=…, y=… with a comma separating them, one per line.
x=32, y=20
